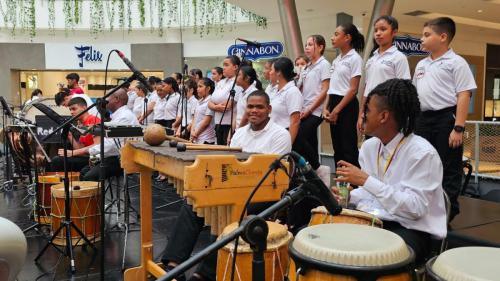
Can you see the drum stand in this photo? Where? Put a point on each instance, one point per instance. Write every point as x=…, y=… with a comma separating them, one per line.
x=8, y=183
x=67, y=224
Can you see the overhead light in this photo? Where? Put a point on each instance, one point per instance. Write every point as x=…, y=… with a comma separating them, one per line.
x=416, y=13
x=479, y=11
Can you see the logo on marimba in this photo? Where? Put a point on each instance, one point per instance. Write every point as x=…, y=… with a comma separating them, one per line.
x=224, y=177
x=228, y=170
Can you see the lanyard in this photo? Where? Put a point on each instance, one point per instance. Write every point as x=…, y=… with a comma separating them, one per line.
x=391, y=157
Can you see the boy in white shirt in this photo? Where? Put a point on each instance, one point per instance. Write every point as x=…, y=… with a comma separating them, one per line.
x=444, y=84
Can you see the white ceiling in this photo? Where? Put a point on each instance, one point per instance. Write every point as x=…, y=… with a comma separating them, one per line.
x=479, y=10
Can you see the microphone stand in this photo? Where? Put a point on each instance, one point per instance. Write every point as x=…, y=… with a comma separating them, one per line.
x=8, y=183
x=232, y=92
x=101, y=102
x=254, y=230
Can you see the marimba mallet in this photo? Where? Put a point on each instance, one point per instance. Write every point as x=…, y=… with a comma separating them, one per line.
x=155, y=135
x=193, y=146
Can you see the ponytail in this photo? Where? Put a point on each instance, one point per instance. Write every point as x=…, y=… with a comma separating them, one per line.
x=358, y=40
x=249, y=72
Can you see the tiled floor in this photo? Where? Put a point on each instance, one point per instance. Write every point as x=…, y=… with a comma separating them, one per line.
x=53, y=266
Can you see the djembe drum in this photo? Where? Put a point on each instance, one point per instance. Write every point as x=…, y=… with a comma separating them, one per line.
x=466, y=263
x=320, y=215
x=332, y=252
x=276, y=255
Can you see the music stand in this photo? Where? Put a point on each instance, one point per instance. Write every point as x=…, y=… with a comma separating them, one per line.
x=8, y=183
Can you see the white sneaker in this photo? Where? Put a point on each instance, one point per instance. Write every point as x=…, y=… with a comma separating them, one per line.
x=324, y=174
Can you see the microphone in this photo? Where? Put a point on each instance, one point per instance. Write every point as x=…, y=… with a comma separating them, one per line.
x=251, y=43
x=138, y=75
x=316, y=186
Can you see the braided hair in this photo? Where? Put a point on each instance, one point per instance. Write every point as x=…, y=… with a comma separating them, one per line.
x=400, y=97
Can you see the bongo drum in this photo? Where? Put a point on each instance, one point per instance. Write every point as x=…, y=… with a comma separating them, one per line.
x=276, y=255
x=85, y=212
x=320, y=215
x=45, y=183
x=332, y=252
x=466, y=263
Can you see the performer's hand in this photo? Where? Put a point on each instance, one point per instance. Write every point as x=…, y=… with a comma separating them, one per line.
x=334, y=115
x=336, y=193
x=455, y=140
x=347, y=172
x=60, y=152
x=326, y=114
x=359, y=125
x=305, y=114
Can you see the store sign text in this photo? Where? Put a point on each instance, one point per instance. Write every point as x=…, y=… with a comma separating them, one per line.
x=409, y=46
x=266, y=50
x=88, y=54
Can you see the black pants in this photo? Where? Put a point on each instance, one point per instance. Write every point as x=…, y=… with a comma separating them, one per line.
x=436, y=126
x=222, y=132
x=75, y=164
x=113, y=168
x=306, y=142
x=344, y=133
x=419, y=241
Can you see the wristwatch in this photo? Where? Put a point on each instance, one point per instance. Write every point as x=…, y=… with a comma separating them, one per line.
x=459, y=129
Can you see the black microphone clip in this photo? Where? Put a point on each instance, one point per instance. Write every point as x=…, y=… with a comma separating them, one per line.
x=250, y=43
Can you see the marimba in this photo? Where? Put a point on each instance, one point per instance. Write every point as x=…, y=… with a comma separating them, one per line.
x=215, y=183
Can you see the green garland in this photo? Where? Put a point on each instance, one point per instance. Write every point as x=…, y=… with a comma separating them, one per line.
x=204, y=16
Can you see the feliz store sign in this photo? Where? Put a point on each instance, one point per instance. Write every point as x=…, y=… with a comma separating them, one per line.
x=84, y=56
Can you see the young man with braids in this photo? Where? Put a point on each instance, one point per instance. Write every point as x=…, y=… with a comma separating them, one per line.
x=401, y=173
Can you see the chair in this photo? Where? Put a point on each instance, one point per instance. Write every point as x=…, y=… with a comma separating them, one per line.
x=420, y=269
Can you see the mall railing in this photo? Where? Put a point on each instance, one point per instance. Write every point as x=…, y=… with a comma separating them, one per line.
x=482, y=148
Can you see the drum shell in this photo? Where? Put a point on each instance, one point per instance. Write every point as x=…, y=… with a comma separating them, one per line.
x=45, y=183
x=321, y=216
x=313, y=270
x=85, y=212
x=430, y=274
x=275, y=257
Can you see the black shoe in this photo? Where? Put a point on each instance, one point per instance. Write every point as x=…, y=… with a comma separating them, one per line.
x=169, y=268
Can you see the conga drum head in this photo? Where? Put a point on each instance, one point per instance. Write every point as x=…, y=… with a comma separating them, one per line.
x=275, y=257
x=353, y=250
x=78, y=189
x=320, y=215
x=466, y=264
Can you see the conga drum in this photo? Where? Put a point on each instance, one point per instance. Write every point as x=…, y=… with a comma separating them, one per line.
x=276, y=256
x=466, y=263
x=85, y=212
x=332, y=252
x=45, y=183
x=320, y=215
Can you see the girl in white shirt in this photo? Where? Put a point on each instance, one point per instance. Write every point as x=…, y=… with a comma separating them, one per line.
x=140, y=106
x=386, y=62
x=217, y=74
x=341, y=107
x=203, y=128
x=186, y=109
x=247, y=80
x=220, y=102
x=271, y=88
x=313, y=83
x=169, y=104
x=287, y=101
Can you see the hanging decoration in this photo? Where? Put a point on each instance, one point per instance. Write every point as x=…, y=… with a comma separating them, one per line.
x=204, y=16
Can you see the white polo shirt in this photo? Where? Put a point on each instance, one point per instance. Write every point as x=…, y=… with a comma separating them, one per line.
x=382, y=67
x=343, y=69
x=221, y=94
x=188, y=106
x=271, y=90
x=273, y=139
x=241, y=107
x=201, y=111
x=312, y=76
x=132, y=95
x=159, y=112
x=172, y=105
x=439, y=81
x=286, y=101
x=408, y=189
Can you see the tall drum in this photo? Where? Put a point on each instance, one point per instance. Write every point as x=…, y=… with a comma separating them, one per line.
x=85, y=212
x=320, y=215
x=465, y=264
x=275, y=257
x=331, y=252
x=45, y=183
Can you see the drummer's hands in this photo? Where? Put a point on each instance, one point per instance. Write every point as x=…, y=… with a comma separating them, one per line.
x=60, y=152
x=347, y=172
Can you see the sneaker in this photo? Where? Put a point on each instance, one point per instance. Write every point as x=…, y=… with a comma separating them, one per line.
x=324, y=174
